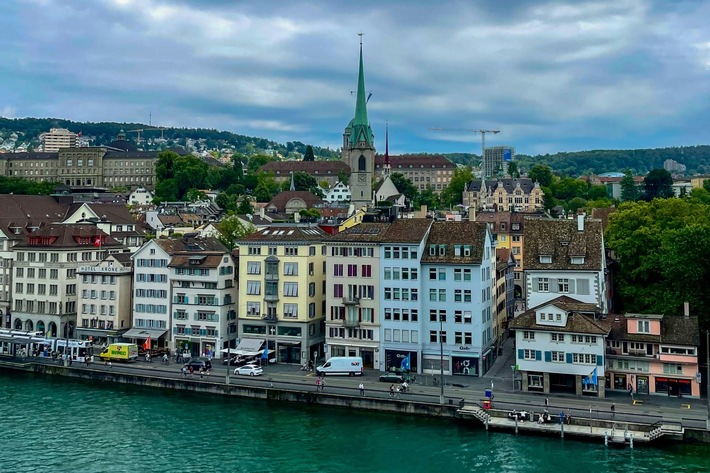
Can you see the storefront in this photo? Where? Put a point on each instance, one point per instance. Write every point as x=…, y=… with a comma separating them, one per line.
x=394, y=359
x=674, y=386
x=432, y=364
x=465, y=364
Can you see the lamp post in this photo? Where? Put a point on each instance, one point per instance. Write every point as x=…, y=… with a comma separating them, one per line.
x=441, y=359
x=228, y=355
x=66, y=347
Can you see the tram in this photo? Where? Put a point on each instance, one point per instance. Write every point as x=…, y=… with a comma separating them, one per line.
x=21, y=343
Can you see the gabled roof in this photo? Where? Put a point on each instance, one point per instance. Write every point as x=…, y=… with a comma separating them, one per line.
x=577, y=321
x=28, y=211
x=679, y=330
x=292, y=234
x=450, y=234
x=414, y=161
x=68, y=236
x=561, y=240
x=187, y=244
x=200, y=261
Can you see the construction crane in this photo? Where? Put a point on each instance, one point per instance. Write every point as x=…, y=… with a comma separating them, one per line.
x=141, y=130
x=466, y=130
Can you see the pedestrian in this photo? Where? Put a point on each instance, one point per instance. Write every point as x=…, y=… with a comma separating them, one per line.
x=547, y=403
x=192, y=372
x=318, y=384
x=202, y=372
x=613, y=409
x=362, y=389
x=392, y=390
x=110, y=364
x=322, y=384
x=183, y=370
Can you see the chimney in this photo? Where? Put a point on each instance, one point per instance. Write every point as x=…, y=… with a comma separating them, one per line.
x=261, y=212
x=472, y=214
x=580, y=221
x=296, y=217
x=686, y=309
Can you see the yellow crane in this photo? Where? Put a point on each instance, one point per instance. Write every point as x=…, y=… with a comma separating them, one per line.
x=466, y=130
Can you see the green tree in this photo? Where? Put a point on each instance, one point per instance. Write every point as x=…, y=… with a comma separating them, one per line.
x=266, y=187
x=429, y=198
x=513, y=170
x=569, y=188
x=194, y=195
x=542, y=174
x=302, y=181
x=453, y=194
x=661, y=248
x=657, y=184
x=597, y=192
x=706, y=185
x=343, y=177
x=232, y=229
x=576, y=203
x=237, y=165
x=245, y=207
x=405, y=186
x=629, y=192
x=308, y=156
x=258, y=160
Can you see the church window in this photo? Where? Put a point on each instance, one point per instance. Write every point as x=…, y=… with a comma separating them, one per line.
x=361, y=163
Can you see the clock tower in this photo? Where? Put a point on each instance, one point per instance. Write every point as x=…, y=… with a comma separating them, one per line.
x=359, y=147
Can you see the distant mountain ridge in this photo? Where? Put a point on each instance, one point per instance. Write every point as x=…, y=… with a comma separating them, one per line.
x=579, y=163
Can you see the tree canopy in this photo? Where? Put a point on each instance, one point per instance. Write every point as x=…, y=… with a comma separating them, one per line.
x=232, y=229
x=309, y=156
x=662, y=247
x=658, y=184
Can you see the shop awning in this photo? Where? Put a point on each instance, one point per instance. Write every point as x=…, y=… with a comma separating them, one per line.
x=153, y=333
x=249, y=346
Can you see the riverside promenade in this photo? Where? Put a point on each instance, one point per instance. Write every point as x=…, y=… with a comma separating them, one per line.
x=289, y=383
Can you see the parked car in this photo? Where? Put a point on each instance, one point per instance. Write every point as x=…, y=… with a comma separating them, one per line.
x=392, y=378
x=197, y=363
x=249, y=370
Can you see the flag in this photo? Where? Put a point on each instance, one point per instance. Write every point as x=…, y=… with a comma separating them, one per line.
x=265, y=355
x=146, y=345
x=97, y=242
x=594, y=377
x=591, y=379
x=406, y=365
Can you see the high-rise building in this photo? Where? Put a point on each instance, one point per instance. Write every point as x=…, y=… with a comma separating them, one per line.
x=359, y=147
x=495, y=161
x=56, y=139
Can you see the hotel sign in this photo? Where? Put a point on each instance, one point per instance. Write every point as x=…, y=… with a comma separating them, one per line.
x=104, y=269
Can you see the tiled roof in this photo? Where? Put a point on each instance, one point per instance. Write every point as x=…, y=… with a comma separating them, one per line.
x=561, y=240
x=365, y=232
x=25, y=211
x=619, y=332
x=32, y=155
x=603, y=215
x=68, y=235
x=679, y=330
x=320, y=168
x=456, y=233
x=408, y=230
x=577, y=322
x=414, y=161
x=200, y=260
x=281, y=199
x=186, y=244
x=509, y=184
x=287, y=234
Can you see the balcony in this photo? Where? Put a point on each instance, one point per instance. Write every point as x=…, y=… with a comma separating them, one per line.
x=270, y=318
x=348, y=300
x=271, y=297
x=271, y=276
x=351, y=323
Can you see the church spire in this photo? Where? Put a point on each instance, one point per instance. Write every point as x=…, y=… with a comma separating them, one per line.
x=387, y=149
x=360, y=124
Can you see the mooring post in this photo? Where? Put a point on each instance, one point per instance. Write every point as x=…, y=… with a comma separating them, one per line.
x=631, y=441
x=562, y=430
x=606, y=438
x=516, y=424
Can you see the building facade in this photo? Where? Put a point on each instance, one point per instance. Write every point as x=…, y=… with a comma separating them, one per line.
x=565, y=257
x=282, y=291
x=56, y=139
x=560, y=347
x=421, y=170
x=654, y=354
x=507, y=194
x=495, y=161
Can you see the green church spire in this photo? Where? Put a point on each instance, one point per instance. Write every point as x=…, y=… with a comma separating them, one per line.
x=361, y=131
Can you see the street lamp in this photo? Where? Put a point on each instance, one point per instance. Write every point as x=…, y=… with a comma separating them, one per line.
x=228, y=355
x=441, y=359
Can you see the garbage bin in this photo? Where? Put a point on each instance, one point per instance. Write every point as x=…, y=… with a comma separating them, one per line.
x=488, y=393
x=486, y=404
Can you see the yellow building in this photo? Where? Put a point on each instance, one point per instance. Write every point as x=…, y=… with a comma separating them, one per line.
x=282, y=291
x=507, y=230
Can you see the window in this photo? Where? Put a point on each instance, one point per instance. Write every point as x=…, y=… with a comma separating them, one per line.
x=253, y=287
x=577, y=260
x=352, y=270
x=290, y=289
x=291, y=310
x=467, y=250
x=528, y=335
x=544, y=259
x=563, y=285
x=558, y=356
x=253, y=308
x=543, y=285
x=254, y=250
x=529, y=355
x=442, y=295
x=558, y=337
x=291, y=269
x=253, y=267
x=643, y=326
x=584, y=358
x=366, y=271
x=337, y=270
x=432, y=274
x=433, y=338
x=291, y=251
x=338, y=291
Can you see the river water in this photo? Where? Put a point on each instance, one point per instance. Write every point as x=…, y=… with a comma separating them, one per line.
x=53, y=424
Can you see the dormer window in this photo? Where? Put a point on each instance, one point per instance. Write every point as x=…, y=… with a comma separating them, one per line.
x=467, y=250
x=545, y=259
x=442, y=250
x=432, y=250
x=643, y=326
x=577, y=260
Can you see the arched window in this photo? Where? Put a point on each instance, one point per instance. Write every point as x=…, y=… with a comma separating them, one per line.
x=18, y=324
x=361, y=163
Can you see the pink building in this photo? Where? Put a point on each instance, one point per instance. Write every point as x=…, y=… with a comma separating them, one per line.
x=654, y=354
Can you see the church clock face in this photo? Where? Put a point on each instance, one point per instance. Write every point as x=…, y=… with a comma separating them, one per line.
x=361, y=178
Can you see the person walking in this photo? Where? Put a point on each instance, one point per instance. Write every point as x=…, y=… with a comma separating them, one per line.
x=391, y=390
x=322, y=384
x=318, y=384
x=361, y=387
x=613, y=410
x=183, y=370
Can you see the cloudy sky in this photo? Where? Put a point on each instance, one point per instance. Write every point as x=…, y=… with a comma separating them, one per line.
x=551, y=76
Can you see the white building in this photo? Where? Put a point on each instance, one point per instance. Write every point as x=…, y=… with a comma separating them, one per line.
x=561, y=347
x=338, y=193
x=140, y=197
x=56, y=139
x=565, y=257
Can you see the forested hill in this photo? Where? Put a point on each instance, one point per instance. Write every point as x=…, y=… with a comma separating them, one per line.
x=103, y=133
x=640, y=161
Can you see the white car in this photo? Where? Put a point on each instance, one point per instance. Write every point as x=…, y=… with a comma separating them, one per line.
x=250, y=370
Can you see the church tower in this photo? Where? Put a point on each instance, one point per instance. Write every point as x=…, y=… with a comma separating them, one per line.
x=359, y=147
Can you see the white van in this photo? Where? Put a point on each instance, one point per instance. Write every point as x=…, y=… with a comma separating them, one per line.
x=343, y=365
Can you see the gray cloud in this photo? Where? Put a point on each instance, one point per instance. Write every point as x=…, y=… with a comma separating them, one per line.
x=551, y=76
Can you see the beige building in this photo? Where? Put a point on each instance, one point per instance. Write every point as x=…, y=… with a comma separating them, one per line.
x=56, y=139
x=509, y=194
x=105, y=298
x=282, y=291
x=84, y=167
x=422, y=170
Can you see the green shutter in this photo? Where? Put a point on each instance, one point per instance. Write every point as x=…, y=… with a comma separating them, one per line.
x=548, y=356
x=600, y=360
x=521, y=354
x=569, y=357
x=538, y=355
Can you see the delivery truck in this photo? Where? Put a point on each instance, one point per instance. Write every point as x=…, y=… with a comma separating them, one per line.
x=120, y=352
x=342, y=365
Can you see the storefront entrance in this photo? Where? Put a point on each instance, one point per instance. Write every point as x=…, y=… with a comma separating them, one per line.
x=641, y=384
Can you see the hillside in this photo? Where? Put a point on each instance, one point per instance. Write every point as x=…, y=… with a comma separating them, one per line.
x=103, y=133
x=640, y=161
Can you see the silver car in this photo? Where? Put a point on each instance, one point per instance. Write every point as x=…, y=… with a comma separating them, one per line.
x=249, y=370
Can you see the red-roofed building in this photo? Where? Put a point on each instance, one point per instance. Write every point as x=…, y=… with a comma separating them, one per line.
x=422, y=170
